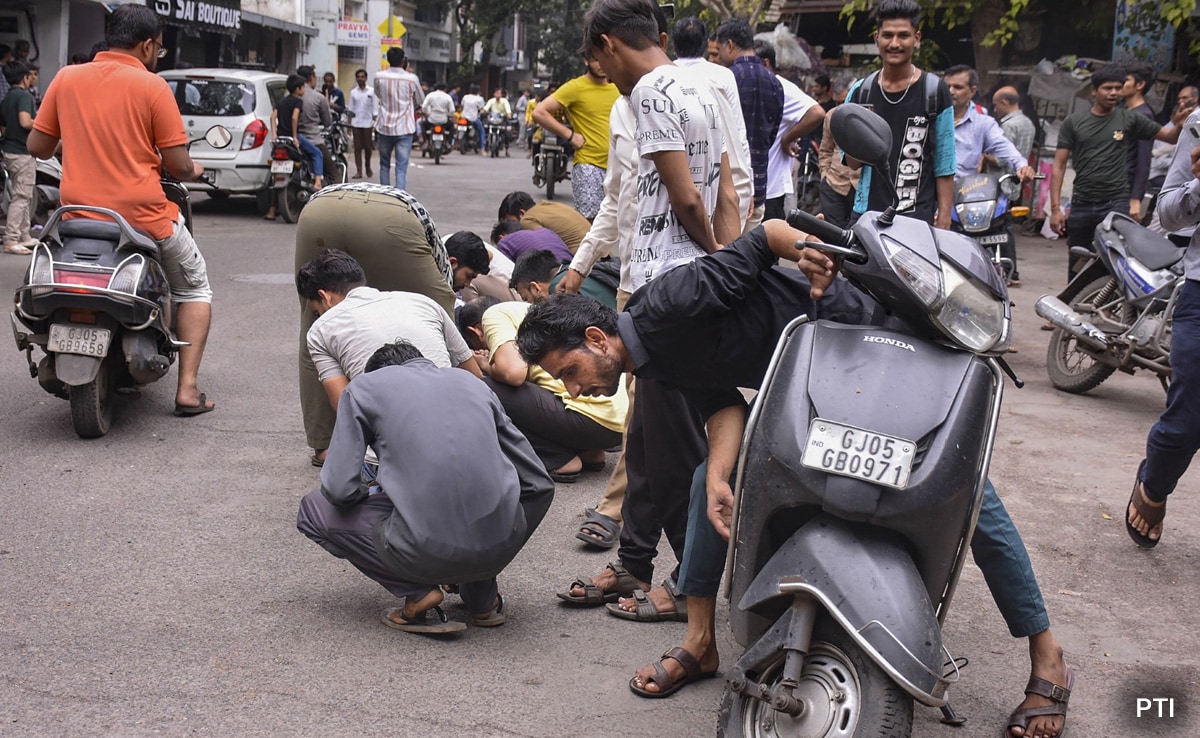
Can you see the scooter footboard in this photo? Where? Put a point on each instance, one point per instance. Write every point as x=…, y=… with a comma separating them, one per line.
x=867, y=581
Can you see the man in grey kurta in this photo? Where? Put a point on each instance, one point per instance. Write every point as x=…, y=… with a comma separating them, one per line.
x=462, y=490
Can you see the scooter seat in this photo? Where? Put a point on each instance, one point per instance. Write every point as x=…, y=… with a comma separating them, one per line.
x=1153, y=250
x=104, y=230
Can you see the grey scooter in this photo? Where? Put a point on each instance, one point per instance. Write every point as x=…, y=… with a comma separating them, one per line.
x=860, y=479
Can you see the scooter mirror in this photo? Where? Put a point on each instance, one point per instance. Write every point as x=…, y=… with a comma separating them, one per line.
x=862, y=134
x=218, y=137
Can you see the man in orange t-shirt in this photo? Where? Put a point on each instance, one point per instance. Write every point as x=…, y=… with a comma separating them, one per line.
x=114, y=145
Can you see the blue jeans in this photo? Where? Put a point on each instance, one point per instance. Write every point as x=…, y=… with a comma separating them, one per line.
x=997, y=547
x=1175, y=438
x=402, y=147
x=479, y=131
x=310, y=148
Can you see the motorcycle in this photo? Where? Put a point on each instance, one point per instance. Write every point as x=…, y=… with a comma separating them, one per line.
x=438, y=142
x=467, y=135
x=1116, y=312
x=550, y=160
x=808, y=177
x=983, y=210
x=860, y=478
x=292, y=178
x=97, y=303
x=496, y=134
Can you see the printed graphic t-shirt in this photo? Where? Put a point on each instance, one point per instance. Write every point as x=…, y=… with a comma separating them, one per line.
x=674, y=111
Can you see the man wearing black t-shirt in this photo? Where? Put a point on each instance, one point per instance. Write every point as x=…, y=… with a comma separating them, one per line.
x=1096, y=141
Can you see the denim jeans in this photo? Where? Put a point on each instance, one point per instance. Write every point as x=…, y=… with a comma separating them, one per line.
x=1175, y=438
x=479, y=132
x=997, y=547
x=401, y=146
x=310, y=148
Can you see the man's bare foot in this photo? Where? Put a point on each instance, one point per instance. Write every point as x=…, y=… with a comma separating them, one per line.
x=574, y=466
x=1046, y=662
x=709, y=660
x=1152, y=529
x=662, y=599
x=606, y=581
x=415, y=608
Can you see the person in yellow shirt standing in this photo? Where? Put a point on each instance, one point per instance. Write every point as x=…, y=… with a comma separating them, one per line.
x=588, y=100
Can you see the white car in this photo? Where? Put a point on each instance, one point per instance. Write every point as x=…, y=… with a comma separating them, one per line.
x=242, y=100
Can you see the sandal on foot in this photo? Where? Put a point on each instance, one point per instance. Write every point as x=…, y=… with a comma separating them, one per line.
x=492, y=618
x=598, y=529
x=188, y=411
x=422, y=623
x=593, y=595
x=593, y=466
x=666, y=684
x=1051, y=691
x=648, y=612
x=1151, y=514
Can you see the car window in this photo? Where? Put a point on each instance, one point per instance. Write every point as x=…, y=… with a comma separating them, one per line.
x=277, y=90
x=212, y=97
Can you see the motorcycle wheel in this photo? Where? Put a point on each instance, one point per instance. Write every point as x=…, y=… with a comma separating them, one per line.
x=91, y=404
x=845, y=695
x=291, y=202
x=551, y=176
x=808, y=197
x=1070, y=368
x=437, y=155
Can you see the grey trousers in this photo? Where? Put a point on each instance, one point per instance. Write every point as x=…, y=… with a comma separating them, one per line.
x=348, y=533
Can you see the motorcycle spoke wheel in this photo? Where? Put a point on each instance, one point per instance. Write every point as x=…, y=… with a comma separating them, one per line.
x=1069, y=366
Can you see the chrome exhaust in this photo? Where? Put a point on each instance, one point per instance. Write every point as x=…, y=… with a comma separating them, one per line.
x=1062, y=316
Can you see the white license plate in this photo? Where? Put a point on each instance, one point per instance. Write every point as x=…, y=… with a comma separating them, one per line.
x=989, y=240
x=69, y=338
x=282, y=167
x=855, y=452
x=437, y=138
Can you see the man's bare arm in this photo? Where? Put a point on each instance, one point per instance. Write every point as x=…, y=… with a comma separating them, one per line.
x=507, y=365
x=813, y=117
x=724, y=441
x=686, y=202
x=334, y=386
x=40, y=144
x=945, y=198
x=1058, y=222
x=727, y=223
x=179, y=164
x=472, y=366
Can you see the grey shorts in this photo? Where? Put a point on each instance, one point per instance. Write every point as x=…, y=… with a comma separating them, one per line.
x=186, y=271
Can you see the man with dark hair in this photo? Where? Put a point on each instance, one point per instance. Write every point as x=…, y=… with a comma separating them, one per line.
x=537, y=273
x=410, y=536
x=117, y=144
x=399, y=93
x=1095, y=140
x=1138, y=81
x=472, y=106
x=761, y=97
x=364, y=107
x=336, y=98
x=354, y=319
x=559, y=217
x=438, y=110
x=801, y=115
x=468, y=258
x=16, y=115
x=977, y=134
x=315, y=114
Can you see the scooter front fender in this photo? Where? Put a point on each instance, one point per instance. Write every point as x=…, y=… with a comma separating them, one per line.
x=75, y=370
x=867, y=581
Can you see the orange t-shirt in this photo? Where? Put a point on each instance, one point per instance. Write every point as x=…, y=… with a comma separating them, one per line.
x=113, y=116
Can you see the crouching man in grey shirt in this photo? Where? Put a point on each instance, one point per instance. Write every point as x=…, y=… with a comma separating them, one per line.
x=462, y=490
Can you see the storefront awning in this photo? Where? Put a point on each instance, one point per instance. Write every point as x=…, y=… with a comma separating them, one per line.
x=268, y=22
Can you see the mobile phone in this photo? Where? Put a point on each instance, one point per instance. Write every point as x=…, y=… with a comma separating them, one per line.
x=1194, y=131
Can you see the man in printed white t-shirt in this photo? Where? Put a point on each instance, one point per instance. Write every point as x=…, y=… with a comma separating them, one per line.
x=801, y=115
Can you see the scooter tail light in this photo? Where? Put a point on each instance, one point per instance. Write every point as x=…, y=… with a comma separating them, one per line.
x=89, y=280
x=127, y=276
x=41, y=270
x=255, y=135
x=437, y=129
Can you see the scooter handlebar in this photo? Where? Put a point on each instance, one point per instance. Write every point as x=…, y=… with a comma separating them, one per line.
x=839, y=241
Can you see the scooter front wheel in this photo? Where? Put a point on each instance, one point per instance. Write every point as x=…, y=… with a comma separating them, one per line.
x=91, y=404
x=843, y=692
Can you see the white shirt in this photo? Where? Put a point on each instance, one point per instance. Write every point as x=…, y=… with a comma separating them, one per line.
x=438, y=107
x=364, y=105
x=614, y=225
x=399, y=94
x=471, y=105
x=499, y=265
x=674, y=110
x=779, y=162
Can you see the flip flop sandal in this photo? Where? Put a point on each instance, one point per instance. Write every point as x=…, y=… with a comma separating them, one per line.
x=648, y=612
x=565, y=477
x=188, y=411
x=493, y=618
x=667, y=685
x=598, y=530
x=422, y=623
x=593, y=466
x=1051, y=691
x=1152, y=515
x=593, y=595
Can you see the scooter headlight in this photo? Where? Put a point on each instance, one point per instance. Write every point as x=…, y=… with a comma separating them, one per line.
x=976, y=216
x=922, y=278
x=970, y=315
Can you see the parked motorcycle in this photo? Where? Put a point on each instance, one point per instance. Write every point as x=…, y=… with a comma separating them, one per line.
x=292, y=178
x=467, y=136
x=97, y=303
x=808, y=177
x=496, y=134
x=983, y=210
x=550, y=161
x=860, y=480
x=1116, y=312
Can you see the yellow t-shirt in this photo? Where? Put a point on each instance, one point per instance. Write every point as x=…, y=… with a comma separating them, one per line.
x=589, y=105
x=500, y=324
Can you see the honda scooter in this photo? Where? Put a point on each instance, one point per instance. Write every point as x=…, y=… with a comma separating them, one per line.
x=860, y=479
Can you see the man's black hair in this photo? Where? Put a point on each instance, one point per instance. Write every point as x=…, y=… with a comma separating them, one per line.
x=503, y=228
x=392, y=354
x=633, y=22
x=15, y=71
x=5, y=50
x=539, y=265
x=360, y=70
x=129, y=25
x=395, y=57
x=513, y=203
x=1111, y=73
x=96, y=48
x=738, y=31
x=558, y=324
x=474, y=89
x=470, y=315
x=972, y=75
x=332, y=270
x=306, y=71
x=823, y=80
x=294, y=81
x=440, y=86
x=765, y=50
x=690, y=37
x=1143, y=73
x=898, y=10
x=469, y=251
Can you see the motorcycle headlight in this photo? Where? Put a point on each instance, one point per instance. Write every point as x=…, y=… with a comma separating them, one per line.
x=549, y=139
x=976, y=216
x=968, y=314
x=922, y=278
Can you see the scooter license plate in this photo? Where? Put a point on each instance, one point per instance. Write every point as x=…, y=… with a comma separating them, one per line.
x=858, y=453
x=86, y=340
x=438, y=138
x=993, y=239
x=282, y=167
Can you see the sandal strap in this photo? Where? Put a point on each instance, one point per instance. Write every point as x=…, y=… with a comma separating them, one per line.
x=645, y=606
x=661, y=677
x=1021, y=718
x=691, y=666
x=626, y=583
x=1049, y=690
x=1151, y=514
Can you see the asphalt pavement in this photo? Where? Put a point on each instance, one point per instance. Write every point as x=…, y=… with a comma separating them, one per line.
x=152, y=582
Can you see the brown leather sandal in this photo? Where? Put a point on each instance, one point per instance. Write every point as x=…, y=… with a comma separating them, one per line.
x=593, y=595
x=1152, y=514
x=667, y=685
x=1059, y=695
